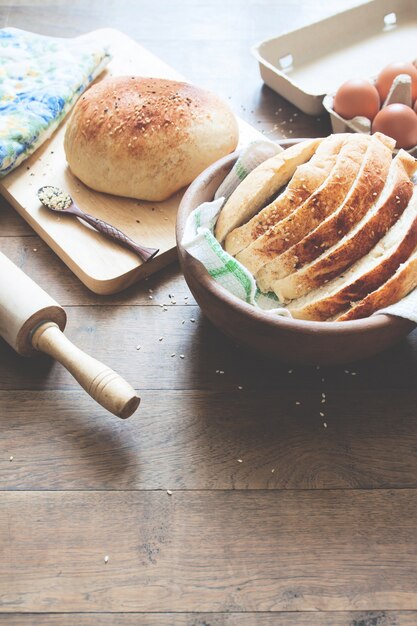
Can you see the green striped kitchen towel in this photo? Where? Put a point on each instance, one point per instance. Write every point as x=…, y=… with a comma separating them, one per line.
x=200, y=242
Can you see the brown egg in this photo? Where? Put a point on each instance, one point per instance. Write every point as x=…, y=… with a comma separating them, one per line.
x=356, y=97
x=399, y=122
x=391, y=71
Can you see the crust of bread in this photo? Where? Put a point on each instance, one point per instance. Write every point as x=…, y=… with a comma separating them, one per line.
x=397, y=287
x=258, y=187
x=359, y=241
x=146, y=138
x=328, y=301
x=307, y=178
x=313, y=211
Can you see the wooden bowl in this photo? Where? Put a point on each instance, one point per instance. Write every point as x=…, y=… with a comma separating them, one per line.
x=284, y=339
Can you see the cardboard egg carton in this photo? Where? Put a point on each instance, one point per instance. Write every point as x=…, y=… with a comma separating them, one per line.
x=307, y=63
x=400, y=92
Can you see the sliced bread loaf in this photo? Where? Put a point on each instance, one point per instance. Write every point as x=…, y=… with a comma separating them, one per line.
x=366, y=275
x=307, y=178
x=260, y=185
x=330, y=195
x=358, y=242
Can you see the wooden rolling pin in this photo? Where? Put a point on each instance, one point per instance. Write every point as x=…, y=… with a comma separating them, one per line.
x=31, y=321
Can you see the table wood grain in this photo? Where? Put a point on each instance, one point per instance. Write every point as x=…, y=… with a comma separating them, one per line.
x=243, y=492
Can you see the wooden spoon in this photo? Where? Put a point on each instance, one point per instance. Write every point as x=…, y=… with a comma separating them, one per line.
x=56, y=199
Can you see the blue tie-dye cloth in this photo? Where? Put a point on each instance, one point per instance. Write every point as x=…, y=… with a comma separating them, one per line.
x=40, y=80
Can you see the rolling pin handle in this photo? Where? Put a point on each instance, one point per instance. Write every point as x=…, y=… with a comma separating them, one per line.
x=100, y=382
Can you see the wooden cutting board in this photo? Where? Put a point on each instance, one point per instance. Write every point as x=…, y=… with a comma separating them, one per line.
x=103, y=266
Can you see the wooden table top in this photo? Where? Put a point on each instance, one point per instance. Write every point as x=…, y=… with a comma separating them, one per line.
x=215, y=505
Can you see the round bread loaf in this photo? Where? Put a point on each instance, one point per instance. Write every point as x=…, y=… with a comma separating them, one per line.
x=146, y=138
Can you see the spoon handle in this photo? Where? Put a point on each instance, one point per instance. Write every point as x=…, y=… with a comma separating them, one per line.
x=114, y=233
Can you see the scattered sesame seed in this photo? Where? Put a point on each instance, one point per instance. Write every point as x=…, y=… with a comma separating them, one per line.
x=165, y=308
x=173, y=302
x=290, y=371
x=173, y=354
x=221, y=372
x=182, y=356
x=240, y=387
x=323, y=395
x=169, y=492
x=35, y=249
x=138, y=347
x=192, y=320
x=106, y=559
x=353, y=373
x=347, y=372
x=325, y=424
x=183, y=322
x=160, y=339
x=298, y=402
x=321, y=414
x=240, y=460
x=150, y=297
x=272, y=470
x=150, y=290
x=11, y=458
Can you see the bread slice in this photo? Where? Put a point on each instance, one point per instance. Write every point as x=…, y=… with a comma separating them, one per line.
x=359, y=241
x=313, y=211
x=366, y=275
x=397, y=287
x=307, y=178
x=260, y=185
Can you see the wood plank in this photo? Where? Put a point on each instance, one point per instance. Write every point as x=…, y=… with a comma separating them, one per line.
x=194, y=440
x=209, y=551
x=38, y=261
x=11, y=224
x=112, y=335
x=339, y=618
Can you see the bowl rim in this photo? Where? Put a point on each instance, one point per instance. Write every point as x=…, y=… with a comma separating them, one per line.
x=372, y=323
